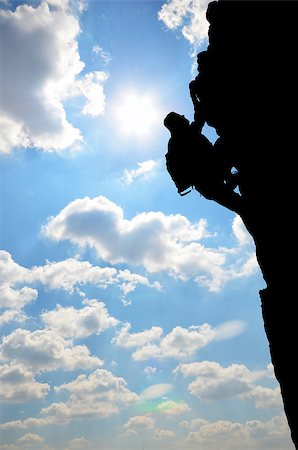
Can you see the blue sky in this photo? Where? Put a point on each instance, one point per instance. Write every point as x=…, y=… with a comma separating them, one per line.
x=130, y=316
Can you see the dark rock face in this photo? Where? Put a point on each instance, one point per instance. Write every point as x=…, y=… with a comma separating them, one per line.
x=246, y=89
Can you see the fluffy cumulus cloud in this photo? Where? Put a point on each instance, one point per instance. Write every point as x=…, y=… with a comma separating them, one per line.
x=163, y=434
x=41, y=68
x=74, y=323
x=179, y=343
x=264, y=397
x=45, y=350
x=98, y=395
x=126, y=339
x=215, y=382
x=157, y=241
x=10, y=271
x=16, y=298
x=187, y=16
x=240, y=232
x=146, y=423
x=68, y=275
x=12, y=315
x=91, y=87
x=138, y=423
x=28, y=423
x=252, y=435
x=101, y=394
x=143, y=171
x=17, y=384
x=30, y=438
x=13, y=297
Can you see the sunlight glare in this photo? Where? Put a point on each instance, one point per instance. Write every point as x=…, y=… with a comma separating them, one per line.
x=137, y=115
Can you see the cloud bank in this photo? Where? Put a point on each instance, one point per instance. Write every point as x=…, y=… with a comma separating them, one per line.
x=215, y=382
x=40, y=69
x=68, y=275
x=187, y=16
x=179, y=343
x=154, y=240
x=227, y=435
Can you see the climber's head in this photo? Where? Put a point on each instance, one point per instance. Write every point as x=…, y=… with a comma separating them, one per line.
x=176, y=123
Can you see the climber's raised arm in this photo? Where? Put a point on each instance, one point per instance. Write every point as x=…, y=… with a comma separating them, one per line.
x=199, y=119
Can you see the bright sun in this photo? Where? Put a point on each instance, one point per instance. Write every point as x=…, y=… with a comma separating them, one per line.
x=137, y=114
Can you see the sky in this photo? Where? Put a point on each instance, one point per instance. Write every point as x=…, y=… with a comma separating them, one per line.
x=130, y=316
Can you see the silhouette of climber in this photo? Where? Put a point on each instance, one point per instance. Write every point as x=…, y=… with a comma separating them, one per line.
x=192, y=160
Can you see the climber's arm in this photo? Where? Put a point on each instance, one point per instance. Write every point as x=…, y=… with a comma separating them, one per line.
x=199, y=119
x=224, y=196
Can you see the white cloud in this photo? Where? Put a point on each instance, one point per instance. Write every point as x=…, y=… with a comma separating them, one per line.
x=78, y=444
x=172, y=408
x=44, y=350
x=16, y=298
x=187, y=15
x=17, y=384
x=240, y=232
x=98, y=395
x=243, y=267
x=91, y=87
x=28, y=423
x=30, y=438
x=126, y=339
x=253, y=435
x=156, y=391
x=163, y=434
x=182, y=342
x=102, y=53
x=68, y=275
x=179, y=343
x=40, y=69
x=10, y=271
x=13, y=298
x=128, y=281
x=143, y=171
x=193, y=424
x=79, y=323
x=264, y=397
x=153, y=239
x=12, y=315
x=214, y=382
x=71, y=273
x=146, y=424
x=139, y=423
x=101, y=394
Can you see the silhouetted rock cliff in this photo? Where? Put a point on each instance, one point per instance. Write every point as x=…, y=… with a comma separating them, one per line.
x=247, y=88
